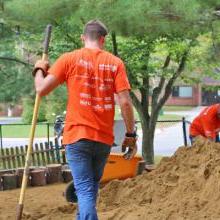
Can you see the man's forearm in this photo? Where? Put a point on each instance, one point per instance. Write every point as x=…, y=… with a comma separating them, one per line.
x=128, y=116
x=126, y=106
x=39, y=79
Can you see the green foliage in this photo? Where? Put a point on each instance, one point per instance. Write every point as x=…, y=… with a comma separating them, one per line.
x=16, y=81
x=156, y=18
x=36, y=13
x=145, y=57
x=155, y=38
x=56, y=103
x=28, y=107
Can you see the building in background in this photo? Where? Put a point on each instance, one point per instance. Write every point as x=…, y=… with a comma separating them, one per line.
x=205, y=93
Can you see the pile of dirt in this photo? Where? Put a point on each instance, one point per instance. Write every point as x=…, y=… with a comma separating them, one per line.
x=184, y=186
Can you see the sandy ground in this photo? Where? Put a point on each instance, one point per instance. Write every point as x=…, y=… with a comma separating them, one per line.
x=185, y=186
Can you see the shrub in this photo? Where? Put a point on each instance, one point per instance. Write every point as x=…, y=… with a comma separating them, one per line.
x=28, y=107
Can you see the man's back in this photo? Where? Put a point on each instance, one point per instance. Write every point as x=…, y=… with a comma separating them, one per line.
x=92, y=77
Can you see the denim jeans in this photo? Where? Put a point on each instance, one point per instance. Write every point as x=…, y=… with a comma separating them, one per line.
x=87, y=160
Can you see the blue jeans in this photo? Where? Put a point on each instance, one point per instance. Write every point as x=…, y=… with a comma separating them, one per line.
x=87, y=160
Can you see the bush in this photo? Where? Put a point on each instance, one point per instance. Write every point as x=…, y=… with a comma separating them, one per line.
x=28, y=107
x=55, y=104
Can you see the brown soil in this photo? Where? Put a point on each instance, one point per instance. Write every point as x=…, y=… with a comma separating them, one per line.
x=184, y=186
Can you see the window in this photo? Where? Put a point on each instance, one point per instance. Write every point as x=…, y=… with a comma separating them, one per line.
x=182, y=91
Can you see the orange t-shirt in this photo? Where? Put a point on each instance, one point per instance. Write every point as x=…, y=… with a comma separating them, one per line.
x=207, y=123
x=92, y=77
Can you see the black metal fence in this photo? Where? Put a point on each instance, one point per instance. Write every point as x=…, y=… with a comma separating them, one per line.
x=22, y=130
x=46, y=131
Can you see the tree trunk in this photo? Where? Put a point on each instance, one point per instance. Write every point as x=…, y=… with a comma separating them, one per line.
x=148, y=147
x=148, y=141
x=15, y=60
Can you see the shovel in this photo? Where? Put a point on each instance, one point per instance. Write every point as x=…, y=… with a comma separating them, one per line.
x=20, y=205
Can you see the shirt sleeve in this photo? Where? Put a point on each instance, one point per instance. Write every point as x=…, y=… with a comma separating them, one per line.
x=121, y=80
x=60, y=68
x=208, y=127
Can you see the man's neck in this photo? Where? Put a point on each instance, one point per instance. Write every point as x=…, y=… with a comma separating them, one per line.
x=92, y=45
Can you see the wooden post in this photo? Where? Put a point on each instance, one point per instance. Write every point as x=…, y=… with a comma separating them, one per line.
x=13, y=157
x=42, y=153
x=22, y=155
x=2, y=172
x=47, y=152
x=33, y=158
x=19, y=172
x=38, y=177
x=67, y=176
x=3, y=158
x=54, y=173
x=141, y=167
x=18, y=156
x=52, y=152
x=8, y=158
x=9, y=181
x=37, y=155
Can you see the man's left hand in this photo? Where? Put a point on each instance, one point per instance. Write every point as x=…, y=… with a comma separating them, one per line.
x=130, y=143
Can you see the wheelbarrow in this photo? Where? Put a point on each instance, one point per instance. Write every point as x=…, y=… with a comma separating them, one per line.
x=116, y=168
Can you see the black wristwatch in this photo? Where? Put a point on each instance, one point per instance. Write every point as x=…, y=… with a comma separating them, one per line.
x=134, y=134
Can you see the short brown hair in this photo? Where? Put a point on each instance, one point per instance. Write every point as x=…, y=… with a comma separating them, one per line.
x=95, y=29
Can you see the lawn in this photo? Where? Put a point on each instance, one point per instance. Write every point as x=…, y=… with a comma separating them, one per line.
x=162, y=117
x=169, y=117
x=22, y=131
x=177, y=108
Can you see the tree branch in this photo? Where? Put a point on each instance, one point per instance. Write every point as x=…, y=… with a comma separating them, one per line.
x=137, y=105
x=157, y=90
x=145, y=95
x=168, y=88
x=16, y=60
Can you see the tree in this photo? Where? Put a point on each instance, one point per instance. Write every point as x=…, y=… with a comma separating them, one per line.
x=156, y=42
x=22, y=46
x=155, y=39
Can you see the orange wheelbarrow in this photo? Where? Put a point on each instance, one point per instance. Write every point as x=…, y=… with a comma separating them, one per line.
x=116, y=168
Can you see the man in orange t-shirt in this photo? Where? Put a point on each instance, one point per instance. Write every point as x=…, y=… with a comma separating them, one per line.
x=92, y=77
x=207, y=123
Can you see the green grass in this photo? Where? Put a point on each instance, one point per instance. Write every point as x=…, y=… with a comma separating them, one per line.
x=177, y=108
x=164, y=117
x=169, y=117
x=161, y=117
x=22, y=131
